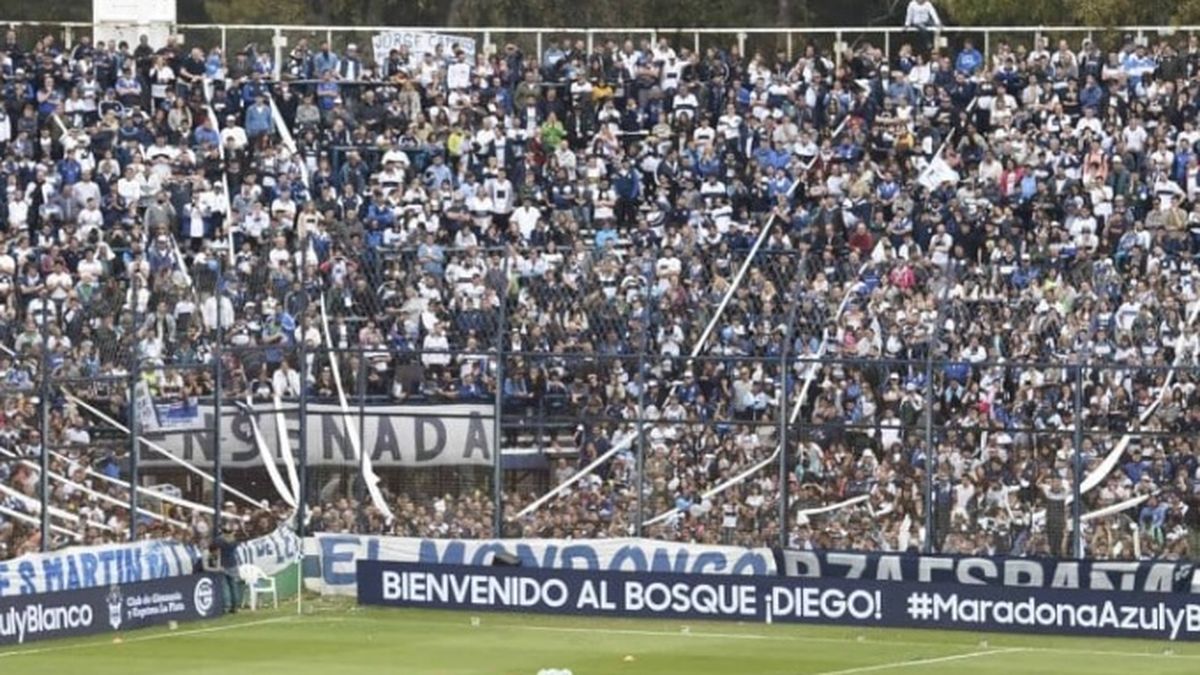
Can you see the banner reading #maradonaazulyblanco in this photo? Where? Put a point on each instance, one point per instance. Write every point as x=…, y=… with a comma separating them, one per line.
x=337, y=555
x=1097, y=575
x=1174, y=616
x=102, y=609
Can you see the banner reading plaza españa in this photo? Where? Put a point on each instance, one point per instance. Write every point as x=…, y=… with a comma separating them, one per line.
x=859, y=603
x=333, y=570
x=395, y=435
x=1098, y=575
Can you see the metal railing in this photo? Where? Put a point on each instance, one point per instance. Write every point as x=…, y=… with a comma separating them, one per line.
x=784, y=40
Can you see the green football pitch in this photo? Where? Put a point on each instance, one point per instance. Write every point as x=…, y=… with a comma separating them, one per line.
x=337, y=637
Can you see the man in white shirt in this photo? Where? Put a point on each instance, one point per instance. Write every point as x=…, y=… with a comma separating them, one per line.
x=526, y=217
x=923, y=17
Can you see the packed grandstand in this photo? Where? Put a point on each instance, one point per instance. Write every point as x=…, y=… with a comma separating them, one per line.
x=980, y=266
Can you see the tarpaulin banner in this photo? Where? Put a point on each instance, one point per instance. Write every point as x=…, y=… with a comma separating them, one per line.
x=113, y=608
x=394, y=435
x=1096, y=575
x=779, y=600
x=420, y=43
x=338, y=554
x=82, y=567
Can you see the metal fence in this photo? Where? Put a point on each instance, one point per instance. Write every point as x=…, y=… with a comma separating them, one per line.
x=799, y=440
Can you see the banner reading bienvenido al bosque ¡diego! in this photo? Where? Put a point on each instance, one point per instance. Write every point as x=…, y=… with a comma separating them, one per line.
x=119, y=607
x=1164, y=616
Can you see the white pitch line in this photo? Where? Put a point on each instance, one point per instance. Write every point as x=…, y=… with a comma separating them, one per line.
x=144, y=638
x=799, y=638
x=921, y=662
x=646, y=633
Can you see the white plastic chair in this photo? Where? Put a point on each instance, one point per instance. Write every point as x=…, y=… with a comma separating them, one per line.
x=257, y=583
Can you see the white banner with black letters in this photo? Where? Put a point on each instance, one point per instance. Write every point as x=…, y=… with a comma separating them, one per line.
x=395, y=435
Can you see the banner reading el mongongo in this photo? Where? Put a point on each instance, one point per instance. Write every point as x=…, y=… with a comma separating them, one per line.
x=1174, y=616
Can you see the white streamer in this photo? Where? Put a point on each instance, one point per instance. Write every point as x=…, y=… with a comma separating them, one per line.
x=368, y=470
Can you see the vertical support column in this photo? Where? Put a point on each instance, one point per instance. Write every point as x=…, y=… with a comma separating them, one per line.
x=302, y=498
x=642, y=367
x=361, y=375
x=784, y=374
x=218, y=366
x=1077, y=463
x=135, y=376
x=930, y=450
x=837, y=49
x=277, y=47
x=44, y=419
x=498, y=418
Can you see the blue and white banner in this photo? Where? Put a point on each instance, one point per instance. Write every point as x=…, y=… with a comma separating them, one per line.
x=779, y=599
x=114, y=608
x=338, y=554
x=91, y=566
x=155, y=416
x=272, y=553
x=1095, y=575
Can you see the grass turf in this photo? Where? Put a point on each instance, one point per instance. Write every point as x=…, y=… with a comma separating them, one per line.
x=337, y=637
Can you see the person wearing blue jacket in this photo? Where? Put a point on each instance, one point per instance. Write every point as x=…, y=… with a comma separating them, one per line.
x=969, y=60
x=258, y=119
x=628, y=186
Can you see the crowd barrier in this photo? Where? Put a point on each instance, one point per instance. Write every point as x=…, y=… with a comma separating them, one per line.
x=102, y=609
x=766, y=599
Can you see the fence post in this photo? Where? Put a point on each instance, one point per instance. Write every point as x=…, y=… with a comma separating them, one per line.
x=498, y=418
x=135, y=373
x=930, y=451
x=837, y=49
x=217, y=396
x=224, y=41
x=364, y=494
x=741, y=38
x=44, y=418
x=784, y=372
x=277, y=47
x=1076, y=504
x=302, y=498
x=643, y=354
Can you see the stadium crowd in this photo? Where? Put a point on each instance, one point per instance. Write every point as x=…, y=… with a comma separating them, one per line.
x=946, y=235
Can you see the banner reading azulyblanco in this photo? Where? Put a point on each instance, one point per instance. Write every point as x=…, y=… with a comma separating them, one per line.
x=779, y=599
x=91, y=566
x=395, y=435
x=103, y=609
x=338, y=554
x=1096, y=575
